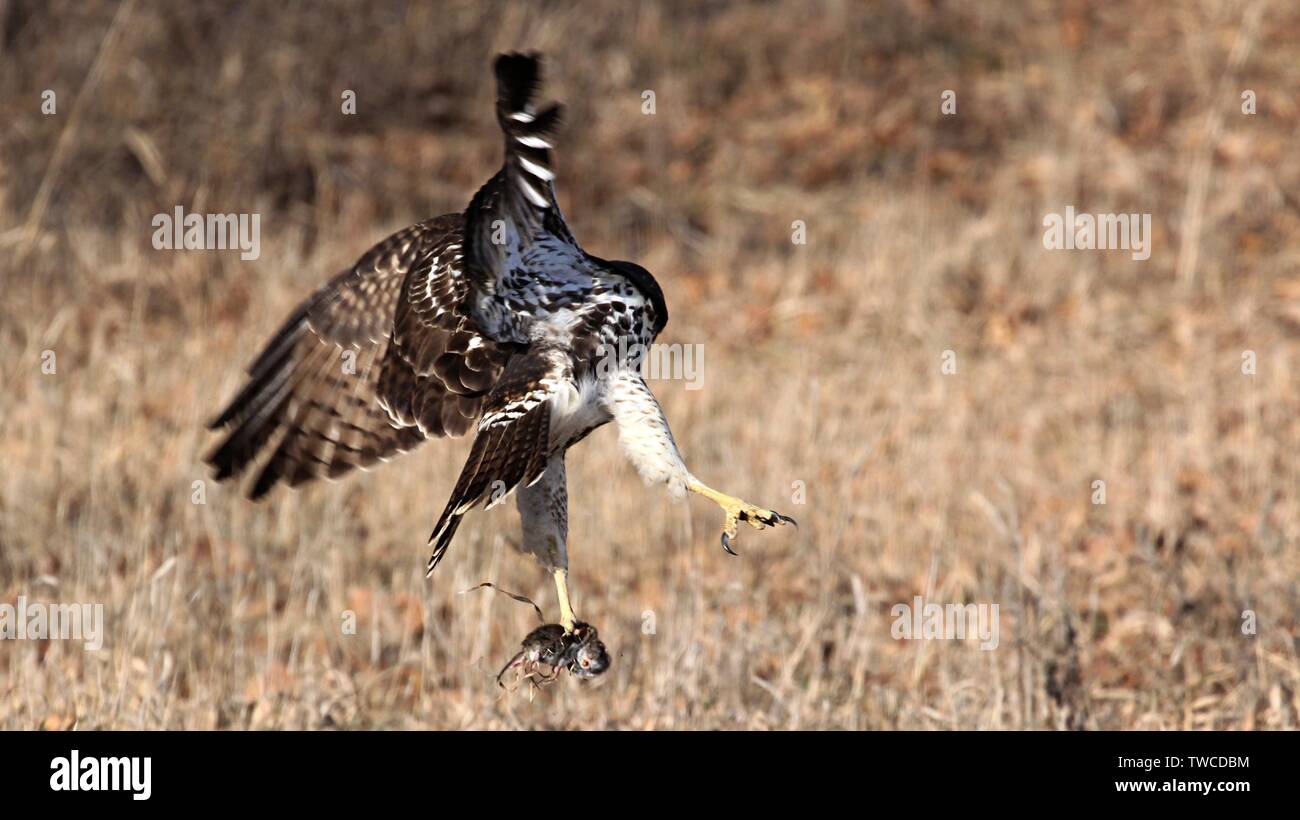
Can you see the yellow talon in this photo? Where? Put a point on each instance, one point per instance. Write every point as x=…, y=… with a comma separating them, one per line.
x=738, y=510
x=567, y=620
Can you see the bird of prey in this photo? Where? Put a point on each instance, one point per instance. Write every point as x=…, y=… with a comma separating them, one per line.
x=494, y=320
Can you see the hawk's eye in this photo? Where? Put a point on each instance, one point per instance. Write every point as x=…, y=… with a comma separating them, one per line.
x=585, y=663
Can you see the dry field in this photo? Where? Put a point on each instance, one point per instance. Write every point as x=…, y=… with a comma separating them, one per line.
x=823, y=362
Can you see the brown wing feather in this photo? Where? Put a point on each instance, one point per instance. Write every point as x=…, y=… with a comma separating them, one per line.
x=327, y=392
x=512, y=444
x=439, y=366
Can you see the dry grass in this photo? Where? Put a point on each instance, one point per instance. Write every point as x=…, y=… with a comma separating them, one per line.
x=822, y=363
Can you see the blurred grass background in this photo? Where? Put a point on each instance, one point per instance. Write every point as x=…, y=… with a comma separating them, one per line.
x=822, y=361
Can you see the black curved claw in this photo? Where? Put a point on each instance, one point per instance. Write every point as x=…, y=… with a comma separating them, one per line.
x=726, y=545
x=777, y=518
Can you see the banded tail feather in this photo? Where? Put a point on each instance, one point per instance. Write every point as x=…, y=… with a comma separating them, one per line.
x=528, y=133
x=517, y=205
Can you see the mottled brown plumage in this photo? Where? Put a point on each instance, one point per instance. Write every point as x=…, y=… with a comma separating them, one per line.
x=379, y=358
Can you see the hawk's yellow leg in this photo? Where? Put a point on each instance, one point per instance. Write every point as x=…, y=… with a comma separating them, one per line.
x=562, y=592
x=738, y=510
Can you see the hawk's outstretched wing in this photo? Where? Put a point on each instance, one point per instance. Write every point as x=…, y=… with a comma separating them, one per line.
x=380, y=357
x=512, y=445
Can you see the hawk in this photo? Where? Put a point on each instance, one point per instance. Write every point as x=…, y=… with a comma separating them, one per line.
x=494, y=320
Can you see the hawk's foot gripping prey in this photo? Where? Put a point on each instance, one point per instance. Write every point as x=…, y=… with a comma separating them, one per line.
x=550, y=648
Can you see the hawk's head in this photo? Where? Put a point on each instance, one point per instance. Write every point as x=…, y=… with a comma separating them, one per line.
x=644, y=282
